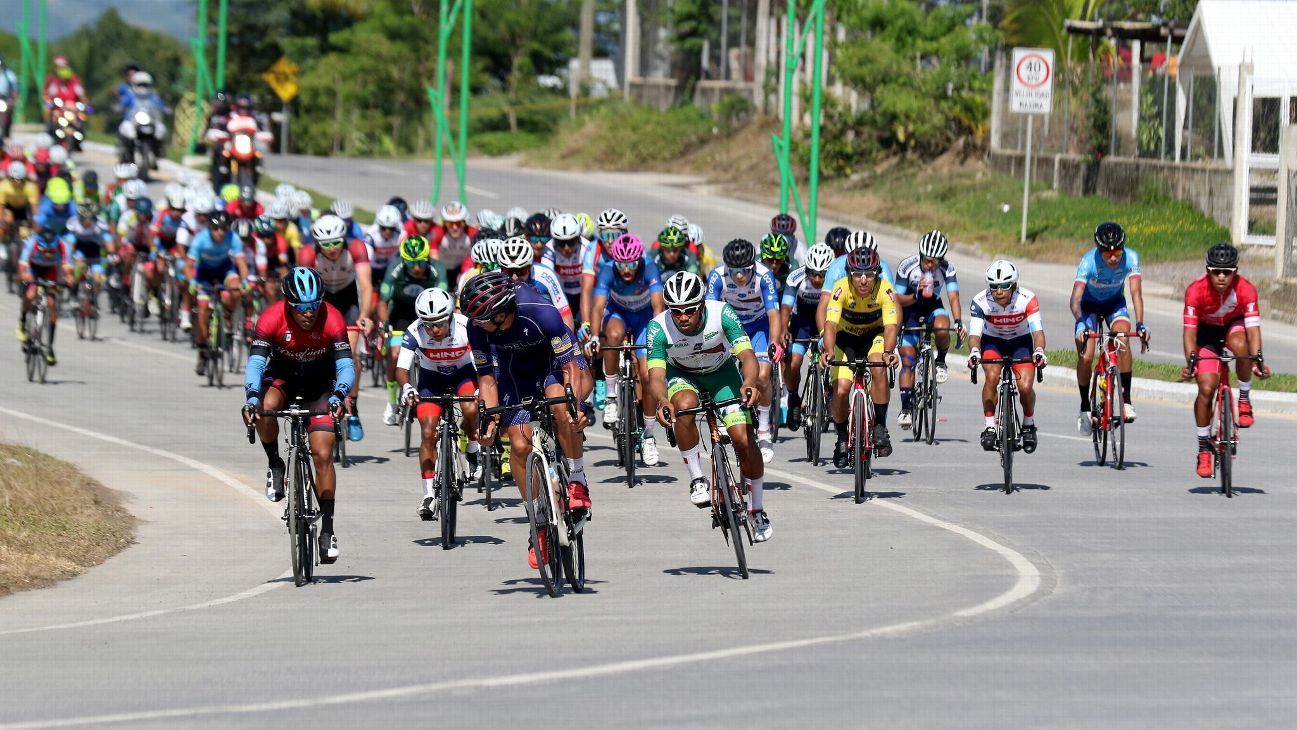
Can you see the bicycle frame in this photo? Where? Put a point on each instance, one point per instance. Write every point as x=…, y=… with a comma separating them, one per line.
x=1007, y=408
x=1224, y=426
x=300, y=513
x=860, y=414
x=449, y=468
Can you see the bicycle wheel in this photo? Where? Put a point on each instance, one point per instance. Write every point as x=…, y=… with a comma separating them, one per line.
x=573, y=553
x=627, y=431
x=446, y=503
x=78, y=315
x=310, y=527
x=293, y=515
x=1098, y=430
x=776, y=393
x=723, y=485
x=1225, y=441
x=931, y=395
x=1008, y=434
x=44, y=336
x=811, y=405
x=1117, y=417
x=408, y=419
x=544, y=537
x=861, y=445
x=30, y=350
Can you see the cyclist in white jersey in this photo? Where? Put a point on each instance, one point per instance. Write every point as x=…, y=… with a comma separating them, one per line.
x=515, y=259
x=565, y=254
x=383, y=242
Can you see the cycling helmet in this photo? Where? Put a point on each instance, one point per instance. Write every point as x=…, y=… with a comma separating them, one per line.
x=242, y=228
x=739, y=254
x=511, y=226
x=517, y=213
x=671, y=237
x=17, y=170
x=401, y=206
x=264, y=225
x=537, y=225
x=695, y=233
x=565, y=227
x=421, y=210
x=434, y=305
x=277, y=211
x=587, y=225
x=1222, y=256
x=218, y=219
x=783, y=223
x=41, y=156
x=836, y=238
x=819, y=258
x=57, y=191
x=864, y=259
x=1001, y=272
x=388, y=217
x=284, y=191
x=454, y=212
x=483, y=234
x=415, y=249
x=134, y=189
x=683, y=288
x=302, y=286
x=515, y=253
x=626, y=249
x=933, y=245
x=125, y=171
x=551, y=213
x=774, y=246
x=90, y=180
x=247, y=194
x=678, y=221
x=1110, y=237
x=204, y=203
x=301, y=200
x=483, y=252
x=58, y=156
x=612, y=220
x=488, y=294
x=87, y=210
x=328, y=228
x=46, y=237
x=861, y=239
x=175, y=197
x=44, y=141
x=342, y=208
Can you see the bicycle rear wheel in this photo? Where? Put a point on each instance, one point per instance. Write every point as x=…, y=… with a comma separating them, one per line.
x=931, y=396
x=811, y=405
x=627, y=429
x=446, y=502
x=407, y=420
x=45, y=336
x=862, y=448
x=572, y=554
x=723, y=484
x=544, y=536
x=1008, y=434
x=1225, y=441
x=296, y=521
x=776, y=394
x=1117, y=417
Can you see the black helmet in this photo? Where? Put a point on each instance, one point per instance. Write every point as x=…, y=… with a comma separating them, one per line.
x=218, y=219
x=1110, y=236
x=399, y=203
x=90, y=179
x=486, y=234
x=863, y=259
x=488, y=294
x=302, y=286
x=243, y=228
x=1222, y=256
x=537, y=225
x=247, y=194
x=837, y=239
x=739, y=254
x=783, y=223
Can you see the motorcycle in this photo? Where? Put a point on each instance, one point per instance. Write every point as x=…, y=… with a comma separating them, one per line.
x=242, y=148
x=141, y=135
x=6, y=118
x=68, y=123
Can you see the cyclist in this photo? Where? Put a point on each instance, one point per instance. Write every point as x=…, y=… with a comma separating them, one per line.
x=20, y=197
x=246, y=205
x=699, y=344
x=452, y=240
x=1221, y=313
x=383, y=243
x=862, y=320
x=1005, y=321
x=627, y=296
x=167, y=232
x=422, y=219
x=609, y=226
x=135, y=238
x=774, y=255
x=786, y=225
x=46, y=254
x=516, y=259
x=919, y=281
x=838, y=271
x=800, y=300
x=288, y=238
x=404, y=284
x=1098, y=294
x=836, y=238
x=522, y=349
x=344, y=210
x=90, y=238
x=485, y=254
x=216, y=258
x=438, y=341
x=273, y=256
x=300, y=349
x=537, y=233
x=343, y=264
x=673, y=254
x=564, y=253
x=55, y=206
x=748, y=286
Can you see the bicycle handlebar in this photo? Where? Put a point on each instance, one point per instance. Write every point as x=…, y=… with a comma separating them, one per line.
x=854, y=364
x=705, y=405
x=532, y=404
x=1010, y=361
x=1226, y=357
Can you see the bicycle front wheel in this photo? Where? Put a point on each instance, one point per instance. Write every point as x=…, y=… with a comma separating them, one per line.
x=1008, y=434
x=776, y=396
x=446, y=477
x=1117, y=416
x=811, y=405
x=1225, y=441
x=862, y=448
x=45, y=336
x=1098, y=427
x=544, y=536
x=297, y=536
x=628, y=428
x=407, y=420
x=930, y=397
x=725, y=488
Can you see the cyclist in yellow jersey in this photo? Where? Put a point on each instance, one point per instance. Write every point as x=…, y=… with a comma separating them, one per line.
x=862, y=319
x=19, y=196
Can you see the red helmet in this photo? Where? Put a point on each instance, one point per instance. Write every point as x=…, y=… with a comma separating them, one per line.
x=42, y=156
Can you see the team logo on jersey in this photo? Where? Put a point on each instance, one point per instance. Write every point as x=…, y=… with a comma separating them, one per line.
x=837, y=294
x=288, y=337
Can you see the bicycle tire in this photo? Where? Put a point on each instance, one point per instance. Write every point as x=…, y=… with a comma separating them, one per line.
x=574, y=562
x=626, y=429
x=340, y=447
x=1008, y=434
x=1098, y=435
x=44, y=335
x=310, y=528
x=446, y=502
x=811, y=419
x=407, y=420
x=1225, y=441
x=861, y=448
x=723, y=481
x=30, y=349
x=932, y=396
x=293, y=515
x=776, y=394
x=80, y=318
x=548, y=563
x=1116, y=407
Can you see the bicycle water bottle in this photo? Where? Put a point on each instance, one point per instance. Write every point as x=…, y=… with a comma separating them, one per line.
x=1103, y=382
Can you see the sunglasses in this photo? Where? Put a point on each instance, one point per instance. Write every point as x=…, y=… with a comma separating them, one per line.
x=1221, y=272
x=566, y=243
x=625, y=265
x=390, y=229
x=519, y=271
x=538, y=239
x=608, y=236
x=863, y=274
x=445, y=321
x=745, y=271
x=679, y=312
x=496, y=319
x=331, y=244
x=1001, y=287
x=307, y=307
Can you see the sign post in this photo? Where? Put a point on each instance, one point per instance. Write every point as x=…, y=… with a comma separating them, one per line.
x=282, y=78
x=1032, y=93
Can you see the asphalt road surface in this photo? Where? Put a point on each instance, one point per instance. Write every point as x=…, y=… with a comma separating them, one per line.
x=1090, y=598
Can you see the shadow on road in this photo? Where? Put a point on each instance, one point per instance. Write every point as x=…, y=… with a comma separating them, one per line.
x=725, y=571
x=851, y=494
x=537, y=587
x=460, y=540
x=1216, y=490
x=999, y=486
x=640, y=478
x=329, y=579
x=877, y=472
x=1129, y=464
x=519, y=520
x=367, y=459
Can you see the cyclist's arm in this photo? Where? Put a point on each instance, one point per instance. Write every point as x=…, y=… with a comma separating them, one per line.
x=596, y=324
x=821, y=312
x=748, y=367
x=657, y=302
x=657, y=362
x=405, y=360
x=891, y=320
x=770, y=296
x=1137, y=297
x=387, y=292
x=1078, y=292
x=976, y=323
x=365, y=287
x=904, y=296
x=955, y=309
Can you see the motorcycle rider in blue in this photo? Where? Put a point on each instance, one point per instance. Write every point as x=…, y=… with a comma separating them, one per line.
x=751, y=290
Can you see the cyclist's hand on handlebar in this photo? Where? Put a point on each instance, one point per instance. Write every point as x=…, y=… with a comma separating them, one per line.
x=1040, y=358
x=488, y=430
x=1187, y=372
x=750, y=396
x=1082, y=332
x=250, y=413
x=974, y=357
x=409, y=395
x=336, y=408
x=1260, y=369
x=666, y=416
x=777, y=353
x=959, y=329
x=826, y=358
x=891, y=358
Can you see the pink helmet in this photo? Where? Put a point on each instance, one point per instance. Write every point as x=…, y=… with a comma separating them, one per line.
x=626, y=248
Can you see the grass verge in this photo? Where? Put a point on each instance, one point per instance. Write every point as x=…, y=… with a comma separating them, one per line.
x=1168, y=372
x=55, y=522
x=623, y=136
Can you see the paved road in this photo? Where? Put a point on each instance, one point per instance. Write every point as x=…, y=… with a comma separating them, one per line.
x=1092, y=597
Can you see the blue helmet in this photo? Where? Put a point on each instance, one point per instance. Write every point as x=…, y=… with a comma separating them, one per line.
x=143, y=206
x=47, y=237
x=303, y=286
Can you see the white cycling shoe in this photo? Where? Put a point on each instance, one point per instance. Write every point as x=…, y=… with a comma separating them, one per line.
x=1129, y=412
x=1083, y=423
x=761, y=529
x=905, y=420
x=610, y=412
x=390, y=415
x=940, y=373
x=649, y=450
x=765, y=446
x=700, y=492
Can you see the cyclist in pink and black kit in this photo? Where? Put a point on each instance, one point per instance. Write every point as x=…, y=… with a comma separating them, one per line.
x=1221, y=312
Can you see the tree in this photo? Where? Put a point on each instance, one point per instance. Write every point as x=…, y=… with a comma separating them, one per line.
x=692, y=24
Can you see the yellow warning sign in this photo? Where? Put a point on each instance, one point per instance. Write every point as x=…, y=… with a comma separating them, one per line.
x=282, y=78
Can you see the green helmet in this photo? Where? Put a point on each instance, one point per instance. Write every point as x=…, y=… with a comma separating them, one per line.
x=671, y=237
x=774, y=246
x=415, y=249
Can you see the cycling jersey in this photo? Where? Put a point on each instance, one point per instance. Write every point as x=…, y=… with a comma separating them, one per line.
x=382, y=249
x=544, y=280
x=838, y=272
x=451, y=250
x=1019, y=318
x=89, y=239
x=751, y=301
x=856, y=314
x=49, y=216
x=444, y=356
x=400, y=289
x=634, y=296
x=801, y=295
x=339, y=273
x=1104, y=283
x=687, y=261
x=715, y=344
x=926, y=286
x=1203, y=306
x=133, y=230
x=166, y=230
x=315, y=361
x=591, y=259
x=781, y=276
x=567, y=266
x=42, y=257
x=19, y=195
x=209, y=254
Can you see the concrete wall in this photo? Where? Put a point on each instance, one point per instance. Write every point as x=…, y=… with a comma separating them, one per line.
x=1208, y=186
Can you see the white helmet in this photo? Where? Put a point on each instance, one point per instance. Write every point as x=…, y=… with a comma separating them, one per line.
x=421, y=210
x=58, y=155
x=683, y=288
x=434, y=305
x=551, y=213
x=44, y=141
x=483, y=252
x=342, y=208
x=695, y=233
x=388, y=217
x=204, y=202
x=454, y=211
x=329, y=227
x=517, y=213
x=678, y=221
x=819, y=258
x=134, y=189
x=301, y=200
x=175, y=197
x=284, y=191
x=142, y=78
x=126, y=171
x=278, y=211
x=565, y=227
x=612, y=220
x=1001, y=272
x=933, y=245
x=515, y=253
x=861, y=239
x=486, y=217
x=17, y=170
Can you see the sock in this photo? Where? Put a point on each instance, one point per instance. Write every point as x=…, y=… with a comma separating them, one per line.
x=326, y=515
x=429, y=489
x=474, y=447
x=941, y=357
x=648, y=426
x=693, y=462
x=55, y=331
x=355, y=406
x=1204, y=438
x=841, y=428
x=576, y=470
x=880, y=414
x=990, y=420
x=1028, y=421
x=756, y=494
x=610, y=383
x=794, y=400
x=1085, y=397
x=907, y=395
x=763, y=419
x=1244, y=390
x=391, y=391
x=272, y=451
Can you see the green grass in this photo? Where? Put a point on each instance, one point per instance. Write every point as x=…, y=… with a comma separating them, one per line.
x=622, y=136
x=506, y=143
x=319, y=200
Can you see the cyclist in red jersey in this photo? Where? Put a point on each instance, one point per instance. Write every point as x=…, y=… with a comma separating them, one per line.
x=1221, y=312
x=301, y=349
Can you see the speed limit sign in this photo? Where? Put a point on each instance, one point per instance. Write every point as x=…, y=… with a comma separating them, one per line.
x=1033, y=81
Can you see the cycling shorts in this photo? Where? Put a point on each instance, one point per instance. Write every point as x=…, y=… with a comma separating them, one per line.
x=216, y=275
x=19, y=213
x=514, y=388
x=802, y=328
x=724, y=383
x=1211, y=343
x=636, y=325
x=48, y=274
x=920, y=315
x=1015, y=347
x=461, y=382
x=758, y=330
x=854, y=347
x=1110, y=312
x=315, y=396
x=347, y=301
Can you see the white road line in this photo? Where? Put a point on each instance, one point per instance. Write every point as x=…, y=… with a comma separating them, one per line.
x=480, y=191
x=194, y=464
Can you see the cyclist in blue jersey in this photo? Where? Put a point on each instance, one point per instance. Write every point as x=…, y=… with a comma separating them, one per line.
x=751, y=290
x=920, y=280
x=627, y=296
x=800, y=300
x=216, y=258
x=838, y=271
x=522, y=349
x=1099, y=294
x=55, y=206
x=47, y=256
x=515, y=258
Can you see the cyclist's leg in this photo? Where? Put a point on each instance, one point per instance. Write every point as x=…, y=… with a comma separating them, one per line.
x=393, y=350
x=759, y=333
x=321, y=436
x=992, y=348
x=909, y=351
x=1119, y=320
x=1085, y=350
x=518, y=433
x=428, y=415
x=1236, y=341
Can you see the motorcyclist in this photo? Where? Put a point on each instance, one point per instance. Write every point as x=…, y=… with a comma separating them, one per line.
x=141, y=97
x=63, y=84
x=8, y=98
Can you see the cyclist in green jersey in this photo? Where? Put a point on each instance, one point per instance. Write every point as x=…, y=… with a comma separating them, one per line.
x=672, y=253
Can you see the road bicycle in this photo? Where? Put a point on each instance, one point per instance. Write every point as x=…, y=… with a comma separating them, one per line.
x=776, y=394
x=728, y=495
x=1107, y=399
x=451, y=467
x=1224, y=424
x=169, y=299
x=926, y=396
x=85, y=312
x=1007, y=412
x=557, y=532
x=40, y=331
x=406, y=418
x=629, y=426
x=220, y=340
x=860, y=430
x=815, y=399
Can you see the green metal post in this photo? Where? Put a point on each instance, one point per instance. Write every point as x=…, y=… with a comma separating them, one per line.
x=198, y=47
x=790, y=68
x=222, y=23
x=436, y=99
x=41, y=41
x=24, y=62
x=812, y=204
x=465, y=63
